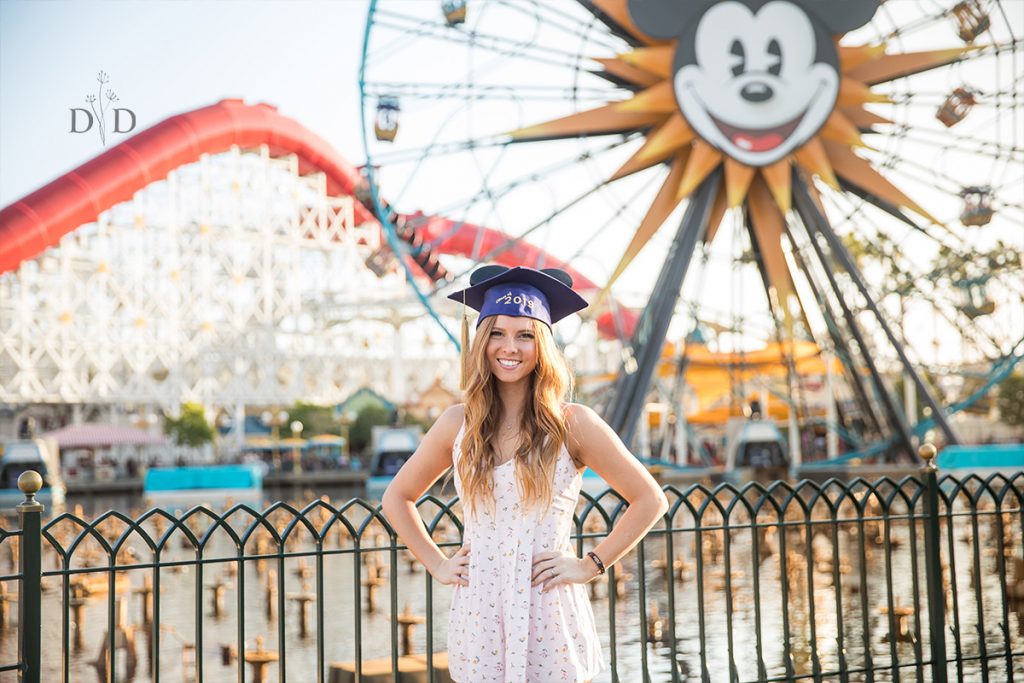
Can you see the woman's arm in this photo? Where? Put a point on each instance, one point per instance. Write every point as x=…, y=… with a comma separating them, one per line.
x=431, y=459
x=592, y=442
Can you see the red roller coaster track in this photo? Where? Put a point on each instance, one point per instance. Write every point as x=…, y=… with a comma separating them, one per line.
x=39, y=220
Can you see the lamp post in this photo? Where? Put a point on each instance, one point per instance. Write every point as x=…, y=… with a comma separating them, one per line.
x=274, y=419
x=347, y=420
x=224, y=423
x=296, y=455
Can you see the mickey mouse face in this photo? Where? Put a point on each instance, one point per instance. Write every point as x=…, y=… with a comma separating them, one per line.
x=755, y=78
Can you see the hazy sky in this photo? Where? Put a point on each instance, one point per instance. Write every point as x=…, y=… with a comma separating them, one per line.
x=303, y=56
x=164, y=58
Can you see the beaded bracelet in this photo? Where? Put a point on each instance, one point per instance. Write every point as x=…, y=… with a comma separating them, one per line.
x=597, y=561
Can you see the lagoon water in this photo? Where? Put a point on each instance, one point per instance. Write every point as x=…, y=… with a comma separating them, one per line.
x=732, y=618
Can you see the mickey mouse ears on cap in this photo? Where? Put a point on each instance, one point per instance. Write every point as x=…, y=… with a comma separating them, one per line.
x=521, y=292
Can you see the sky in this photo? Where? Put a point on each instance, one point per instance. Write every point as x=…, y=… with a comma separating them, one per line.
x=165, y=58
x=303, y=56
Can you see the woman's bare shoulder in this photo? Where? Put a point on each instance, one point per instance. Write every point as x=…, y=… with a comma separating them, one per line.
x=447, y=426
x=579, y=416
x=579, y=420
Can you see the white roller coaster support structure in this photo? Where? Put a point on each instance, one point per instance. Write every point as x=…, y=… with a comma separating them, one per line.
x=234, y=282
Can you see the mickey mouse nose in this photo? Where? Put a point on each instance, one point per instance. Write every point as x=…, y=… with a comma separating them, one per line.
x=757, y=91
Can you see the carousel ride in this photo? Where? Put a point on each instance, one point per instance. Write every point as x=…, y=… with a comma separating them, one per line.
x=771, y=185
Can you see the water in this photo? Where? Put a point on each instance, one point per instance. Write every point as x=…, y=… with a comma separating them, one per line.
x=728, y=621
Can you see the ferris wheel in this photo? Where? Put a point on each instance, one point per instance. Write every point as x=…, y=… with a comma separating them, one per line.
x=745, y=172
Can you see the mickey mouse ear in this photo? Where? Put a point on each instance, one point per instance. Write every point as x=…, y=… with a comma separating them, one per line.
x=665, y=19
x=840, y=16
x=559, y=275
x=485, y=273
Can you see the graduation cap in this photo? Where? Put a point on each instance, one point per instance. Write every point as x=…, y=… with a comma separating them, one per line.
x=545, y=295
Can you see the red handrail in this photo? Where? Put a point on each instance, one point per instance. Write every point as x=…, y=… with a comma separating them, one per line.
x=39, y=220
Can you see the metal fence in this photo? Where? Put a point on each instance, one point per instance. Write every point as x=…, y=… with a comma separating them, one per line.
x=920, y=579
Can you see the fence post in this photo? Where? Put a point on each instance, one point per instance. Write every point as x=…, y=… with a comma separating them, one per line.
x=933, y=564
x=30, y=597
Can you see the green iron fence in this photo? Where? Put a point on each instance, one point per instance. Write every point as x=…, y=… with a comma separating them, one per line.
x=920, y=579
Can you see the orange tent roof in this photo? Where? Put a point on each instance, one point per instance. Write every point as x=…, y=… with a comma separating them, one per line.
x=712, y=375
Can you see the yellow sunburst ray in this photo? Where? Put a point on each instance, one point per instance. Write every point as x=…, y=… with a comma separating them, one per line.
x=662, y=143
x=839, y=129
x=658, y=98
x=627, y=72
x=601, y=121
x=779, y=178
x=664, y=204
x=656, y=60
x=715, y=215
x=812, y=189
x=852, y=56
x=853, y=92
x=859, y=172
x=813, y=158
x=737, y=180
x=862, y=118
x=768, y=226
x=703, y=159
x=890, y=67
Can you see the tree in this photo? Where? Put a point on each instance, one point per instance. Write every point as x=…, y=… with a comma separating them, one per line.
x=1011, y=400
x=362, y=429
x=191, y=429
x=315, y=419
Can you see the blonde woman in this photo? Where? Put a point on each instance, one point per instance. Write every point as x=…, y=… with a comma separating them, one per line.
x=519, y=611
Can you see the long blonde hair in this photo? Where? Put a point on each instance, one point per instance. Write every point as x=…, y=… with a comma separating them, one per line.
x=544, y=427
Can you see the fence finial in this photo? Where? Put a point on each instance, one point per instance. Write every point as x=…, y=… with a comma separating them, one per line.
x=928, y=452
x=30, y=482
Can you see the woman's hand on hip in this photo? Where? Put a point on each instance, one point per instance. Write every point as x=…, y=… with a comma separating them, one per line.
x=554, y=568
x=453, y=570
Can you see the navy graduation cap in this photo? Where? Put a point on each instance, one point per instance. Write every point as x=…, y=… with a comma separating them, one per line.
x=545, y=295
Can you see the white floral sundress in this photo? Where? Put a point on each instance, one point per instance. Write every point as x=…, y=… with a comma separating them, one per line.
x=500, y=628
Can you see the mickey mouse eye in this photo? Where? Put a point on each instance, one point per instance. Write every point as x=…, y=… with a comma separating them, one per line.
x=739, y=58
x=775, y=54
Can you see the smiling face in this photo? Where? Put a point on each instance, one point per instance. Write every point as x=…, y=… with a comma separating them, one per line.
x=512, y=348
x=757, y=84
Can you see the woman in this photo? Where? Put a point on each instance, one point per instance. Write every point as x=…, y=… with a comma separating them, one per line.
x=519, y=611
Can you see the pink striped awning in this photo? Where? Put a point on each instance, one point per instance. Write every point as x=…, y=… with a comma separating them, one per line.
x=99, y=435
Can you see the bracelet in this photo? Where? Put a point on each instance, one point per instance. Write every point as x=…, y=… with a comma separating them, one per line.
x=597, y=561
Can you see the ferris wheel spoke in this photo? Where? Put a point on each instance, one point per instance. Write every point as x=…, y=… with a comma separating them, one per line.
x=549, y=10
x=500, y=45
x=615, y=217
x=931, y=172
x=961, y=143
x=472, y=91
x=908, y=28
x=1006, y=20
x=851, y=211
x=928, y=176
x=535, y=176
x=514, y=240
x=414, y=154
x=933, y=100
x=925, y=283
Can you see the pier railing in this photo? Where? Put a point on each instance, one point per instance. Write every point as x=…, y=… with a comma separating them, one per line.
x=920, y=579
